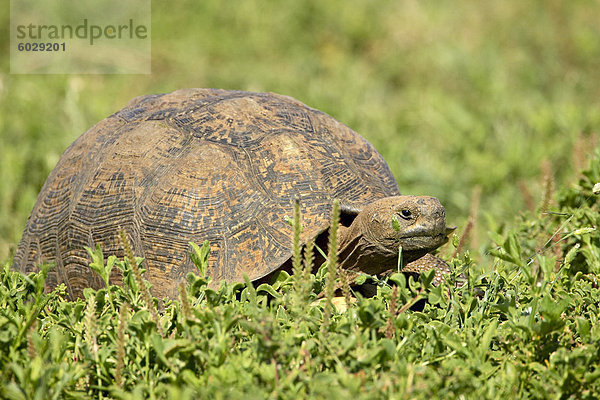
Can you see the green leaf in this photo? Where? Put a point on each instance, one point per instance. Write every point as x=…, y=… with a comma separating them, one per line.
x=513, y=249
x=486, y=339
x=435, y=295
x=361, y=279
x=426, y=277
x=396, y=223
x=97, y=264
x=199, y=256
x=583, y=328
x=268, y=289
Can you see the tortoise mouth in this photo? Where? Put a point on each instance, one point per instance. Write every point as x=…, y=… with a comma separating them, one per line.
x=423, y=242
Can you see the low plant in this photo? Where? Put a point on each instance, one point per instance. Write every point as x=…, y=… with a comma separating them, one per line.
x=524, y=325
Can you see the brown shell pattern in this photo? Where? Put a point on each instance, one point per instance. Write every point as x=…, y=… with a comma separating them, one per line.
x=195, y=165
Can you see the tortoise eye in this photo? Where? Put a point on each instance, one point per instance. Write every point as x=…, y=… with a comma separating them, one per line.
x=406, y=214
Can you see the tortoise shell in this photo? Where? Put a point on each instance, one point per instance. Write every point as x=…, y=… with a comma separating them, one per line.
x=195, y=165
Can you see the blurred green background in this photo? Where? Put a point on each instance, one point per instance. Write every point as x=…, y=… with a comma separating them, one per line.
x=455, y=95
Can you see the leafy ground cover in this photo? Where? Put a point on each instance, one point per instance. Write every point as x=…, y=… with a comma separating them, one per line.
x=526, y=328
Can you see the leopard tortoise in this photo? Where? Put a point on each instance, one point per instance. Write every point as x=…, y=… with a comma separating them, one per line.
x=222, y=166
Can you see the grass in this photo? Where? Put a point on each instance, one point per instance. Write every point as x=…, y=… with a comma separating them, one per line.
x=531, y=331
x=494, y=108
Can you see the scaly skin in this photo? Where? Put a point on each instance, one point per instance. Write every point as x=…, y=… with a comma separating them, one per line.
x=429, y=262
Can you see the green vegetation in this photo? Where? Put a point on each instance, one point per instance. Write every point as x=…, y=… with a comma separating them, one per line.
x=493, y=107
x=530, y=332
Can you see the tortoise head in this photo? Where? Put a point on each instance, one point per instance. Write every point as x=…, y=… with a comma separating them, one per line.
x=371, y=243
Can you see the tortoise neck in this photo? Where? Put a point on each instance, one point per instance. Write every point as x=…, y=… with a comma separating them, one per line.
x=357, y=252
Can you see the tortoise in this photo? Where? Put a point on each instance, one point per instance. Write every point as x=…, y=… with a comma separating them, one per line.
x=222, y=166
